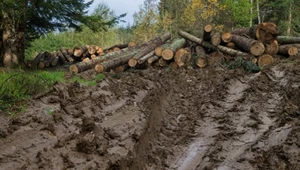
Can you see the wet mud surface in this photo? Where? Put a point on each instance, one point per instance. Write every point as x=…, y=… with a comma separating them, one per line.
x=185, y=119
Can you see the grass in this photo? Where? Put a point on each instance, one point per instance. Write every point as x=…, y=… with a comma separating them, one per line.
x=17, y=87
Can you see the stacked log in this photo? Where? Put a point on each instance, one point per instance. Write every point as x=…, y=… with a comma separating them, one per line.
x=258, y=44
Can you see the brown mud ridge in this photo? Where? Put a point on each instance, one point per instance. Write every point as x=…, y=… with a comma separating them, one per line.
x=210, y=119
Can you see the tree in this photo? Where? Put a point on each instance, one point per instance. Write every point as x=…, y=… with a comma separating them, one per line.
x=239, y=12
x=146, y=21
x=28, y=19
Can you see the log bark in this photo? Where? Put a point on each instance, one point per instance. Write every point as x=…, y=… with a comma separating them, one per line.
x=288, y=40
x=121, y=68
x=153, y=59
x=146, y=57
x=36, y=60
x=247, y=32
x=154, y=43
x=201, y=57
x=272, y=48
x=55, y=61
x=210, y=46
x=80, y=67
x=207, y=30
x=113, y=63
x=216, y=57
x=62, y=58
x=231, y=45
x=49, y=58
x=169, y=53
x=216, y=39
x=264, y=60
x=226, y=37
x=287, y=50
x=249, y=45
x=117, y=46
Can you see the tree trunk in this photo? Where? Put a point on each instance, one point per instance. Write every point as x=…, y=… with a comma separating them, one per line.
x=154, y=43
x=169, y=53
x=251, y=13
x=231, y=45
x=258, y=11
x=265, y=60
x=146, y=57
x=207, y=32
x=216, y=39
x=288, y=32
x=210, y=46
x=248, y=32
x=249, y=45
x=201, y=58
x=153, y=59
x=119, y=46
x=113, y=63
x=80, y=67
x=288, y=50
x=288, y=40
x=10, y=59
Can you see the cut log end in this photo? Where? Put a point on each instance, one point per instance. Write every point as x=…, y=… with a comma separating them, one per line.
x=208, y=28
x=131, y=44
x=257, y=49
x=167, y=54
x=99, y=68
x=265, y=60
x=201, y=62
x=132, y=62
x=272, y=48
x=73, y=69
x=226, y=37
x=293, y=51
x=162, y=62
x=158, y=51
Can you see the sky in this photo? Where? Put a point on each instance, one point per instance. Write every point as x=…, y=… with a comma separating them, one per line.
x=121, y=7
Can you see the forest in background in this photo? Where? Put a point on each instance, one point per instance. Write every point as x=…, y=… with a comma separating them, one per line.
x=155, y=17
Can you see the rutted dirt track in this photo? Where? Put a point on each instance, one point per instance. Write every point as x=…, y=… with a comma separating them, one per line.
x=162, y=119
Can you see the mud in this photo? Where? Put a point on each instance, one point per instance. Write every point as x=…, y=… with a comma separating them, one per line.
x=185, y=119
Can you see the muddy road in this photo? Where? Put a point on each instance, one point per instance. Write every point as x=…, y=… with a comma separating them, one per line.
x=209, y=119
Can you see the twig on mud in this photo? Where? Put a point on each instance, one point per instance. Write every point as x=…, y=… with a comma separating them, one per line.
x=38, y=96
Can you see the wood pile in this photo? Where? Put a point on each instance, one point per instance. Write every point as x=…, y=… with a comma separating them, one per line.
x=258, y=44
x=65, y=56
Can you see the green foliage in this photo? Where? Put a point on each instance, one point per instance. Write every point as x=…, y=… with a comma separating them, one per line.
x=238, y=12
x=146, y=21
x=16, y=87
x=239, y=62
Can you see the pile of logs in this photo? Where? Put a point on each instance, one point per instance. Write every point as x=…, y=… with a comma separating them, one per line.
x=258, y=44
x=69, y=56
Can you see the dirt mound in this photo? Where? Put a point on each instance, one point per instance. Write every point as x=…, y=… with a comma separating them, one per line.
x=162, y=119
